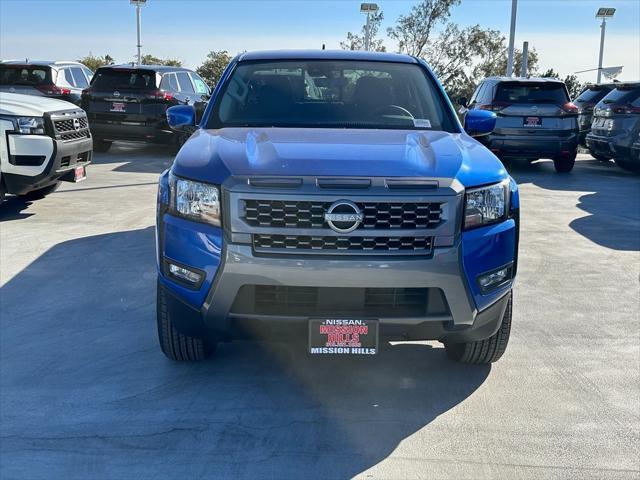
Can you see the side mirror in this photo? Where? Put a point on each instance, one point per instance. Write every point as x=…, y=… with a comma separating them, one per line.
x=182, y=118
x=463, y=101
x=478, y=123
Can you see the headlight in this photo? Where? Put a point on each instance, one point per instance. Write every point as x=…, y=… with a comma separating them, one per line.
x=30, y=125
x=195, y=200
x=485, y=205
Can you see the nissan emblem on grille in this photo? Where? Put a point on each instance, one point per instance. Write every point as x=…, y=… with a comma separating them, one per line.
x=343, y=216
x=76, y=124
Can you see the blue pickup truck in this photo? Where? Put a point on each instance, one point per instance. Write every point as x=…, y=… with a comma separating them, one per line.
x=334, y=197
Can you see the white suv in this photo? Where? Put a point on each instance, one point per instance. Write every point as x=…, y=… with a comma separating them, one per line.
x=42, y=142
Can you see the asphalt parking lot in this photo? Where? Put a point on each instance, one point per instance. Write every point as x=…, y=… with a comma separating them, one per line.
x=86, y=393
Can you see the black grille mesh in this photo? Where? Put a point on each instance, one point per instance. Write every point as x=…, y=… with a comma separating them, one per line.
x=377, y=215
x=328, y=244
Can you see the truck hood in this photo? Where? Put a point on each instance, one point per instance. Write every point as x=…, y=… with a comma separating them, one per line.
x=31, y=105
x=214, y=155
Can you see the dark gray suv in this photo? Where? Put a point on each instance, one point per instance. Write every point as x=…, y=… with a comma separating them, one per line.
x=616, y=125
x=586, y=102
x=536, y=119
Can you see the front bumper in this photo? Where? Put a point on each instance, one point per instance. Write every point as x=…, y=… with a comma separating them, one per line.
x=532, y=146
x=65, y=158
x=453, y=270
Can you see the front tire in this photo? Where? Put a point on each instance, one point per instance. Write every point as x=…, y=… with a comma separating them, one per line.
x=564, y=164
x=41, y=192
x=101, y=146
x=175, y=345
x=484, y=351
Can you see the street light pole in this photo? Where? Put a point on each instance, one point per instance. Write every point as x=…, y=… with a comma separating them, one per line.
x=139, y=44
x=138, y=4
x=512, y=37
x=603, y=27
x=366, y=34
x=603, y=13
x=368, y=8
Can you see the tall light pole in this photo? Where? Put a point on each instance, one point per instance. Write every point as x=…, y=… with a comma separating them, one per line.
x=512, y=36
x=368, y=8
x=138, y=4
x=603, y=13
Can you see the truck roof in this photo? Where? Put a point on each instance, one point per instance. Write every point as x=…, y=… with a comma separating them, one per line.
x=326, y=55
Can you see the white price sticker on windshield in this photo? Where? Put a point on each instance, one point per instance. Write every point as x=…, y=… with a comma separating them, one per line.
x=421, y=123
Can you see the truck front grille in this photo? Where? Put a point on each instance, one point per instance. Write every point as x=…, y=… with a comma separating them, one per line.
x=283, y=300
x=306, y=214
x=69, y=126
x=347, y=244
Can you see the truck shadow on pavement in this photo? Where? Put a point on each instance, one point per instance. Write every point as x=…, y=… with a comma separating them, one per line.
x=612, y=204
x=12, y=208
x=136, y=157
x=86, y=392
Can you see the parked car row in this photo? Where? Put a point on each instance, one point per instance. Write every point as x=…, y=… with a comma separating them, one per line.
x=615, y=127
x=535, y=117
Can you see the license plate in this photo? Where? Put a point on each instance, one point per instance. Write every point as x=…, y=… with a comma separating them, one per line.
x=532, y=122
x=79, y=174
x=333, y=336
x=117, y=107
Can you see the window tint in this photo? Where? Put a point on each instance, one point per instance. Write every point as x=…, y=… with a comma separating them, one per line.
x=88, y=73
x=482, y=93
x=78, y=77
x=201, y=87
x=113, y=79
x=184, y=82
x=474, y=97
x=534, y=92
x=621, y=96
x=487, y=93
x=169, y=82
x=17, y=75
x=68, y=76
x=592, y=95
x=339, y=94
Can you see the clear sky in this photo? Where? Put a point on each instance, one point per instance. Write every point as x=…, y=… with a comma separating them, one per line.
x=564, y=32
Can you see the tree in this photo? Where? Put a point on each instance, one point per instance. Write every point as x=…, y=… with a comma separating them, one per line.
x=356, y=42
x=412, y=31
x=93, y=63
x=574, y=87
x=452, y=54
x=212, y=68
x=151, y=60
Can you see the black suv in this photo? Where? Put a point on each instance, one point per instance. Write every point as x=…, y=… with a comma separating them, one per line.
x=61, y=80
x=586, y=102
x=128, y=102
x=536, y=119
x=616, y=126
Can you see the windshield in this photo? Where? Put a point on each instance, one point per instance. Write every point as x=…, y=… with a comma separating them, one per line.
x=114, y=79
x=331, y=94
x=20, y=75
x=534, y=92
